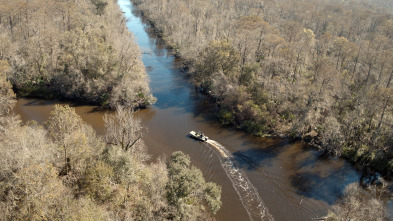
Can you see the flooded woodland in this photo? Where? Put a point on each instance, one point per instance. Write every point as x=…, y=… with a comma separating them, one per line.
x=260, y=177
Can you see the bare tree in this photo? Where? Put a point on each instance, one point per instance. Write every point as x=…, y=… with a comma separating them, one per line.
x=6, y=94
x=355, y=206
x=123, y=128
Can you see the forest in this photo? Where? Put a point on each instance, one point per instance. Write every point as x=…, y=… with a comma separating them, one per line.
x=76, y=50
x=320, y=71
x=61, y=170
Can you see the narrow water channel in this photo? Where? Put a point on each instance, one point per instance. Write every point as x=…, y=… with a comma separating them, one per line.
x=294, y=182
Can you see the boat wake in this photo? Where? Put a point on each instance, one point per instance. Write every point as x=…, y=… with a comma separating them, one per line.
x=248, y=194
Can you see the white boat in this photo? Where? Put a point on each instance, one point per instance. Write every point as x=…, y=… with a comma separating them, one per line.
x=198, y=135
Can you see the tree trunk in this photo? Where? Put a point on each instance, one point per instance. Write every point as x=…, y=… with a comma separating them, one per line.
x=380, y=73
x=129, y=146
x=259, y=43
x=370, y=66
x=390, y=79
x=356, y=63
x=11, y=25
x=65, y=161
x=338, y=58
x=377, y=131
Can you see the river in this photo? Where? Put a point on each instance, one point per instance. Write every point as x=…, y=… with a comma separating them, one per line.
x=272, y=178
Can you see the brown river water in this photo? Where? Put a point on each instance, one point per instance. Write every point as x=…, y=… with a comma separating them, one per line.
x=261, y=178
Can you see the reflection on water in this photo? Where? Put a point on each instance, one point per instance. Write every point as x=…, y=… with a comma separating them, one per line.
x=38, y=110
x=294, y=182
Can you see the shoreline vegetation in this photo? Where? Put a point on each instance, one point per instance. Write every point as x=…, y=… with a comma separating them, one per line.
x=81, y=50
x=73, y=50
x=61, y=170
x=324, y=75
x=311, y=68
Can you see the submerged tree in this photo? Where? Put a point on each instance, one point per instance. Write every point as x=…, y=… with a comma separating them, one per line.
x=123, y=128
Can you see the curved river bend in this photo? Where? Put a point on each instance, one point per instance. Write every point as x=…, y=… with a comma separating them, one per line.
x=292, y=181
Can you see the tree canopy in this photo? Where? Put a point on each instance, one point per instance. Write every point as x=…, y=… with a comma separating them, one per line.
x=63, y=171
x=315, y=70
x=79, y=50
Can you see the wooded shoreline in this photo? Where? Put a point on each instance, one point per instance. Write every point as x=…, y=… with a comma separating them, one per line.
x=61, y=170
x=258, y=111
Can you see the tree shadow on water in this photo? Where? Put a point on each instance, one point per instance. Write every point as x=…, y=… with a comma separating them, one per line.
x=325, y=188
x=321, y=176
x=39, y=102
x=256, y=158
x=314, y=176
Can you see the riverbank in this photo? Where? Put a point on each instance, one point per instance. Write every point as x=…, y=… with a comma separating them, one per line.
x=295, y=182
x=302, y=109
x=86, y=55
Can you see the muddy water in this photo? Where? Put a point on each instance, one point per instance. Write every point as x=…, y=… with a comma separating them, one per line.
x=292, y=181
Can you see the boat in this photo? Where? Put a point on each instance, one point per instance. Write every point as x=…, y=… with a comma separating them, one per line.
x=198, y=135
